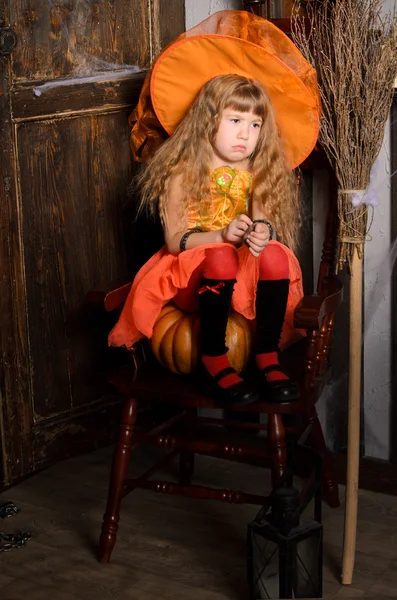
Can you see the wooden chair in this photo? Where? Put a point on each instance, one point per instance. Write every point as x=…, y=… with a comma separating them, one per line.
x=143, y=382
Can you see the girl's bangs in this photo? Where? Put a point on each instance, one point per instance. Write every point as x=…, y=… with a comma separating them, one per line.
x=247, y=102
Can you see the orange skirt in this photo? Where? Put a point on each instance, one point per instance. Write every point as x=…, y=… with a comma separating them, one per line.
x=161, y=278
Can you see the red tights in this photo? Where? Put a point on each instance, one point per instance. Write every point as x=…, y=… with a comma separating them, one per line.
x=222, y=263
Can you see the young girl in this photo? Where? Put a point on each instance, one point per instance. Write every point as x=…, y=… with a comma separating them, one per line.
x=223, y=186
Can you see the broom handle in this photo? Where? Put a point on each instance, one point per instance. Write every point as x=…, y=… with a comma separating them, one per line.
x=353, y=442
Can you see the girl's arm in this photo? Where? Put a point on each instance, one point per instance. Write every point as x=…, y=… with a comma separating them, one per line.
x=258, y=212
x=177, y=224
x=257, y=236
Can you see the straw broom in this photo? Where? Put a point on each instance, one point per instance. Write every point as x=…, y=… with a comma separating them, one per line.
x=354, y=51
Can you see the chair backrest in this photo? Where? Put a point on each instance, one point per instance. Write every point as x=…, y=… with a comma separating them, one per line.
x=327, y=264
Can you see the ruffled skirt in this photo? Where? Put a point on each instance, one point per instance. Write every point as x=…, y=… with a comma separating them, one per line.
x=164, y=275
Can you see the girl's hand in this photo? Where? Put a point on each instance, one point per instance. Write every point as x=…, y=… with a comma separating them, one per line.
x=257, y=238
x=234, y=232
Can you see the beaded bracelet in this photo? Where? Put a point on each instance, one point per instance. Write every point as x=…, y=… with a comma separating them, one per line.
x=182, y=243
x=266, y=223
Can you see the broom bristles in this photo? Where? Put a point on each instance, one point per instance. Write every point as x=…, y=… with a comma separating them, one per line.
x=353, y=47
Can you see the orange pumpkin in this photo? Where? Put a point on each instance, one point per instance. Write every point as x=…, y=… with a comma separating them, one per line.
x=176, y=334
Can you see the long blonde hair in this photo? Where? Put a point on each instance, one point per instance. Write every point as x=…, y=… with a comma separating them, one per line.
x=188, y=152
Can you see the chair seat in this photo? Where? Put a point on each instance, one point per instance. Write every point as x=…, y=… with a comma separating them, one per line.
x=154, y=381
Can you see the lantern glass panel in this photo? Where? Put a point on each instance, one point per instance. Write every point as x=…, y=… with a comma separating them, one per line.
x=308, y=566
x=285, y=566
x=265, y=568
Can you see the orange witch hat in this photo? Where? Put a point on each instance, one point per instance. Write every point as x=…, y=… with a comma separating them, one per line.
x=237, y=42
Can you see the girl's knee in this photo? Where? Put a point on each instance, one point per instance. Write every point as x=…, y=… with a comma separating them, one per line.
x=221, y=263
x=273, y=263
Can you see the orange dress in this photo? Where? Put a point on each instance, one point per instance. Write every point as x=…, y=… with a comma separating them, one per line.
x=164, y=275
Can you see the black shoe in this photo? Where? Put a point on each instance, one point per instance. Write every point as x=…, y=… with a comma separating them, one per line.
x=240, y=394
x=280, y=391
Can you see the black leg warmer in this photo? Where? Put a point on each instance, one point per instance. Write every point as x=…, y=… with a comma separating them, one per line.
x=215, y=303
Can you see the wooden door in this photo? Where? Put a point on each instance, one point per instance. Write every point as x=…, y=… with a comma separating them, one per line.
x=66, y=90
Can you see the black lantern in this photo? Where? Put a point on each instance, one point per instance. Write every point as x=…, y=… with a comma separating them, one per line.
x=284, y=552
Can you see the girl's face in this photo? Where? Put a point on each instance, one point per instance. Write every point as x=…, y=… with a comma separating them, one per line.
x=236, y=138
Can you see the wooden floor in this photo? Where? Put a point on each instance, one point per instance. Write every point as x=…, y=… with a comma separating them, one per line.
x=169, y=548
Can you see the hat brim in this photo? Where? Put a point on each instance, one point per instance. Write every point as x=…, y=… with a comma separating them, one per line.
x=187, y=65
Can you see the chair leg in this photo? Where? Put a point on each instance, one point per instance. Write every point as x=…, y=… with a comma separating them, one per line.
x=121, y=459
x=186, y=458
x=317, y=442
x=278, y=451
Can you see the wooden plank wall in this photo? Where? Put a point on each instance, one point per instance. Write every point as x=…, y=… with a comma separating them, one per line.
x=66, y=166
